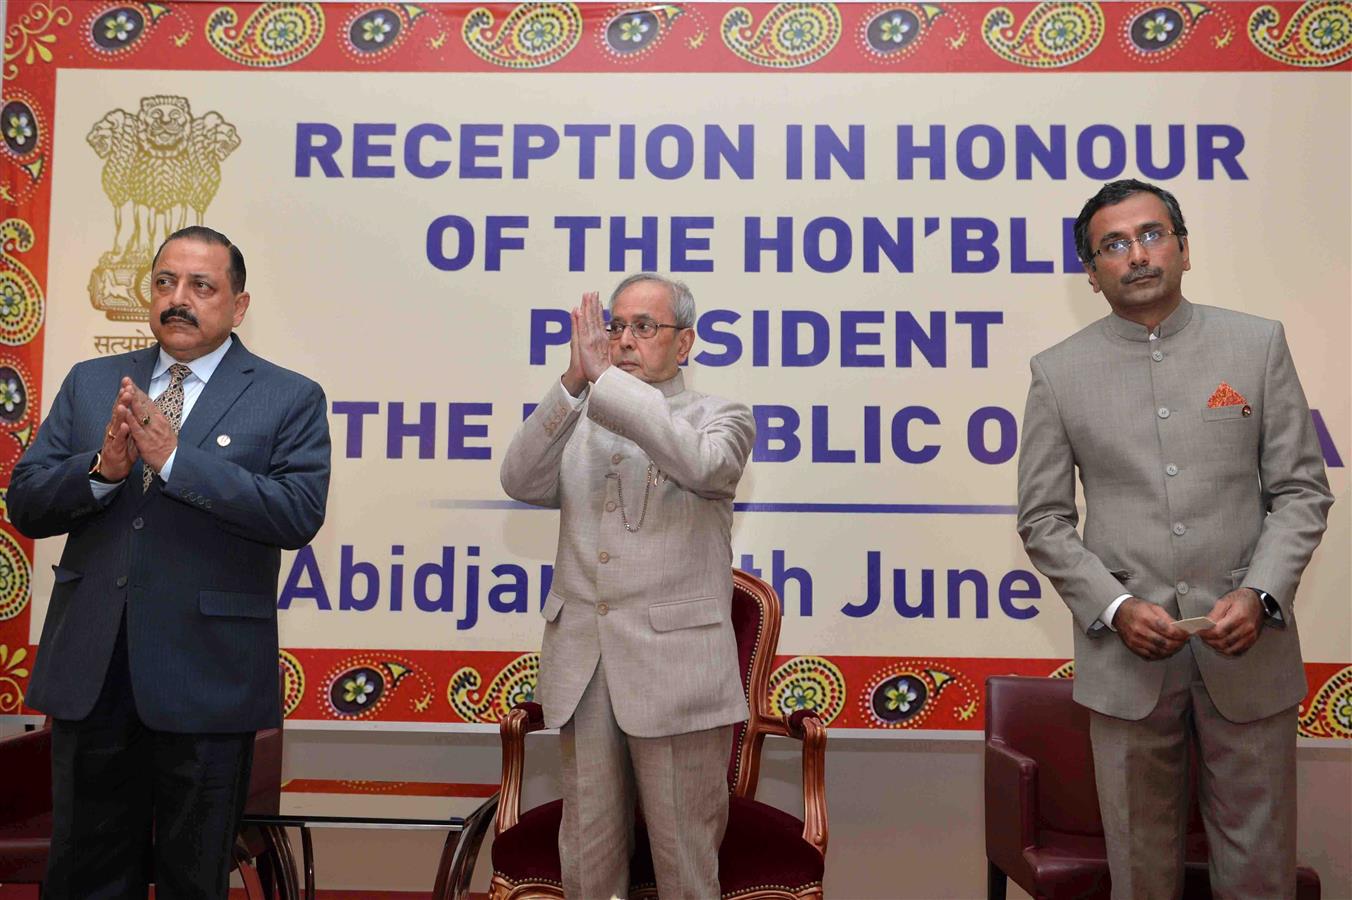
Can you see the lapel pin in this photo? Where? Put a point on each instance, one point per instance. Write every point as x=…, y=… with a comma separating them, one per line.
x=1247, y=410
x=223, y=440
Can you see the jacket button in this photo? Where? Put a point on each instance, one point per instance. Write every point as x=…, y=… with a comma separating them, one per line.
x=1181, y=587
x=603, y=556
x=122, y=581
x=610, y=506
x=1180, y=529
x=138, y=523
x=1164, y=412
x=602, y=609
x=616, y=459
x=1171, y=469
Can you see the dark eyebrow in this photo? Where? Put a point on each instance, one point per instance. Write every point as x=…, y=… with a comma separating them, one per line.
x=1140, y=229
x=204, y=276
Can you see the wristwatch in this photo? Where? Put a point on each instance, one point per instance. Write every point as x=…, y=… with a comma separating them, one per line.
x=1272, y=611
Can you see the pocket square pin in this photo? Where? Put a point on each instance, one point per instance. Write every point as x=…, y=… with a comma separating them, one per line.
x=1224, y=395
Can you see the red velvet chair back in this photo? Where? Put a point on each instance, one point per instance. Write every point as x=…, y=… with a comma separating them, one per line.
x=1037, y=717
x=755, y=622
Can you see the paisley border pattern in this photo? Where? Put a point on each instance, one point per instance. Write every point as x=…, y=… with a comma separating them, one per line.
x=514, y=683
x=274, y=35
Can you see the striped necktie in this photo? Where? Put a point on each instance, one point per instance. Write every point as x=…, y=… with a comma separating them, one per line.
x=169, y=402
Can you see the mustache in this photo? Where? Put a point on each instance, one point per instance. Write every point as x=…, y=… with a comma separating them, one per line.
x=1145, y=272
x=178, y=312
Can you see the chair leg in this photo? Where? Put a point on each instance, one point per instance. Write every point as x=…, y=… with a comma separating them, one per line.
x=996, y=882
x=248, y=874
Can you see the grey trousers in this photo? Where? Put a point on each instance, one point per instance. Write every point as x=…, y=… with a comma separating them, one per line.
x=1246, y=790
x=681, y=783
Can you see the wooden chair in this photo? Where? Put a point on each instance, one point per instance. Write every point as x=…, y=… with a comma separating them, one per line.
x=766, y=853
x=1043, y=827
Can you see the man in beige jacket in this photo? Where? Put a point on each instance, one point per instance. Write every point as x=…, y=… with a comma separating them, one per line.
x=639, y=664
x=1205, y=496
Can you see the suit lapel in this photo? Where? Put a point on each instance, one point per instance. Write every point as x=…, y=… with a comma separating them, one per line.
x=143, y=365
x=231, y=377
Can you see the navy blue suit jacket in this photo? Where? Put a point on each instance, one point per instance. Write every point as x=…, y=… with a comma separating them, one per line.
x=194, y=562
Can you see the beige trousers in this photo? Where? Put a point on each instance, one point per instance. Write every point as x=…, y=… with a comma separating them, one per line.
x=681, y=784
x=1246, y=790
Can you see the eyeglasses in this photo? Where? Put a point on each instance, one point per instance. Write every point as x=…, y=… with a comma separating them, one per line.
x=1120, y=246
x=643, y=329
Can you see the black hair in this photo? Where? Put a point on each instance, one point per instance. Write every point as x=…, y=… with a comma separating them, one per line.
x=1115, y=192
x=237, y=272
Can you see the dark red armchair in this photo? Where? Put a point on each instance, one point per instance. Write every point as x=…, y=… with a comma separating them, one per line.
x=1043, y=828
x=25, y=806
x=766, y=853
x=26, y=810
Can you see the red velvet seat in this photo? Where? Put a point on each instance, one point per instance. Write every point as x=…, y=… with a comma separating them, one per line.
x=1043, y=827
x=765, y=852
x=758, y=838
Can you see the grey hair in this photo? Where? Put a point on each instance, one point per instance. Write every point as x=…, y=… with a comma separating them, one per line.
x=682, y=301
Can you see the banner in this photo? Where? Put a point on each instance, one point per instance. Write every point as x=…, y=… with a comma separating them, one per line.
x=871, y=204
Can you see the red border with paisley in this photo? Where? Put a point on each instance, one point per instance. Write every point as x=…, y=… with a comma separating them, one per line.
x=417, y=686
x=45, y=35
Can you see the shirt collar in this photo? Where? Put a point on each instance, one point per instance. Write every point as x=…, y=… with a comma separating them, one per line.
x=672, y=386
x=1173, y=324
x=203, y=367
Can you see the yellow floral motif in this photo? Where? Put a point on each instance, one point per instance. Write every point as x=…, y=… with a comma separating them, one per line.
x=30, y=38
x=532, y=36
x=11, y=693
x=791, y=35
x=1329, y=713
x=1055, y=34
x=21, y=306
x=274, y=35
x=15, y=577
x=1318, y=35
x=514, y=684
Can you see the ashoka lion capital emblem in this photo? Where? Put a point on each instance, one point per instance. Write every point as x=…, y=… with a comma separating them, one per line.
x=161, y=169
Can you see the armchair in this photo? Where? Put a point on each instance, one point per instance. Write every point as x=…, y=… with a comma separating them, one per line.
x=25, y=806
x=26, y=809
x=1043, y=827
x=766, y=853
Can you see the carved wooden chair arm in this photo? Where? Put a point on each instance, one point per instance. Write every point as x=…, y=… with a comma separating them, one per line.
x=806, y=726
x=520, y=721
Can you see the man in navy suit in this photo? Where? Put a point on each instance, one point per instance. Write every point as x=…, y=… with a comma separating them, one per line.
x=158, y=657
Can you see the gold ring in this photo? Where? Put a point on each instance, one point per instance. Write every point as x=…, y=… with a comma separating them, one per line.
x=110, y=434
x=145, y=420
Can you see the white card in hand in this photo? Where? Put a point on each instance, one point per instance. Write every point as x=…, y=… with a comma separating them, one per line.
x=1195, y=624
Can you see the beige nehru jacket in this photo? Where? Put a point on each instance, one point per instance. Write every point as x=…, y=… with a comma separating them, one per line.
x=653, y=605
x=1184, y=501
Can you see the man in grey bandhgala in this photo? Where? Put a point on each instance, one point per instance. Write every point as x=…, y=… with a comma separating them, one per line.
x=177, y=473
x=638, y=668
x=1205, y=496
